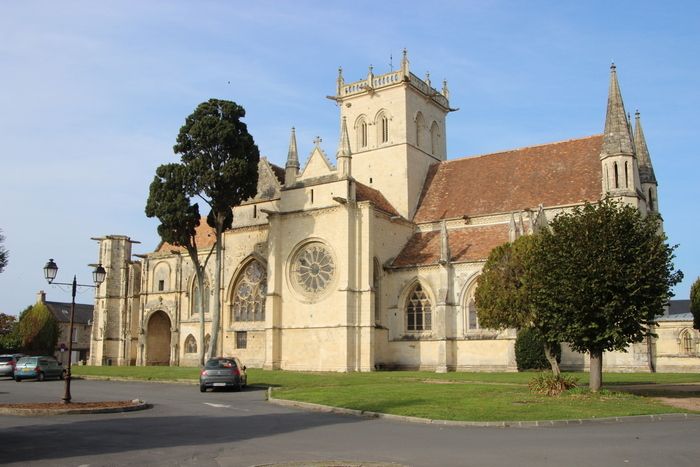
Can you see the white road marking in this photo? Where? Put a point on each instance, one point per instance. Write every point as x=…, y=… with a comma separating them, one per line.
x=224, y=406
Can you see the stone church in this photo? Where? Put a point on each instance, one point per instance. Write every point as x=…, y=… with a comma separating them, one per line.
x=369, y=260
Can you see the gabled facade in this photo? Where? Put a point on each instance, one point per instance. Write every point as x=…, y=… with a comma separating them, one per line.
x=368, y=260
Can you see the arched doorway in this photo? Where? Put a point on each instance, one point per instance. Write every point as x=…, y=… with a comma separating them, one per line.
x=158, y=339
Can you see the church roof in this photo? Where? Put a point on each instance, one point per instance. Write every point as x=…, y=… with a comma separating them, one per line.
x=205, y=236
x=473, y=243
x=365, y=193
x=279, y=172
x=554, y=174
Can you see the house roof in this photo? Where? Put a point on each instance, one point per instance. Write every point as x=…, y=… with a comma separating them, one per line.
x=472, y=243
x=554, y=174
x=205, y=236
x=365, y=193
x=61, y=311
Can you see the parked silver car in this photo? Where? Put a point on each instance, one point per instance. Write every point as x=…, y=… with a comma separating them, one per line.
x=223, y=372
x=7, y=364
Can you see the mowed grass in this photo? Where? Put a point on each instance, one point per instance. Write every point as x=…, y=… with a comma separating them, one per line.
x=448, y=396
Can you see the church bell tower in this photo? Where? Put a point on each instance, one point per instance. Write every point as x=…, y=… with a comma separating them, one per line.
x=396, y=130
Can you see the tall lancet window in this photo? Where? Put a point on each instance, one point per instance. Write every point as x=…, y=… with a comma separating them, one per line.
x=627, y=175
x=651, y=200
x=382, y=128
x=376, y=271
x=420, y=129
x=418, y=310
x=194, y=309
x=434, y=138
x=616, y=176
x=248, y=301
x=361, y=132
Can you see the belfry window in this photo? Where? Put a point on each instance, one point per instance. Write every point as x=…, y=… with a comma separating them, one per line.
x=420, y=128
x=627, y=175
x=418, y=310
x=361, y=131
x=651, y=200
x=382, y=123
x=616, y=175
x=249, y=294
x=434, y=138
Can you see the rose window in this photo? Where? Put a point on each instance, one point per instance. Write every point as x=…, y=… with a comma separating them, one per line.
x=313, y=269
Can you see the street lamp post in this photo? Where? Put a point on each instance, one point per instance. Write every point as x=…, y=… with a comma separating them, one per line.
x=98, y=276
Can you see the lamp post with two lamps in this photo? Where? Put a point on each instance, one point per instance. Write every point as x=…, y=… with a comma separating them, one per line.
x=98, y=276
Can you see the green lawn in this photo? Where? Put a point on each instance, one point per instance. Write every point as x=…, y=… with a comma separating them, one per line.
x=448, y=396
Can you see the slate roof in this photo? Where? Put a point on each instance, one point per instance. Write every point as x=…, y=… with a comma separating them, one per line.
x=472, y=243
x=61, y=311
x=554, y=174
x=365, y=193
x=678, y=310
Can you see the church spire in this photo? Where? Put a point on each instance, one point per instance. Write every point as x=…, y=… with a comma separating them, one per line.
x=291, y=168
x=617, y=139
x=646, y=171
x=344, y=155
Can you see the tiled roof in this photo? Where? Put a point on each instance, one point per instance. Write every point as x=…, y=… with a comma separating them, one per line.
x=562, y=173
x=204, y=238
x=365, y=193
x=61, y=311
x=466, y=244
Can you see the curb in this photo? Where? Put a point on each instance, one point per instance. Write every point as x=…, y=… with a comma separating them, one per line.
x=504, y=424
x=142, y=405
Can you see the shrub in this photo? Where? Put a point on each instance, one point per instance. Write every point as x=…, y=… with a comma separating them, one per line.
x=549, y=385
x=529, y=350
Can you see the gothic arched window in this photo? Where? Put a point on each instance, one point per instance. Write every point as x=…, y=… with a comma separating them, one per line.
x=361, y=131
x=686, y=342
x=616, y=175
x=434, y=138
x=248, y=301
x=190, y=344
x=420, y=129
x=194, y=304
x=627, y=175
x=418, y=310
x=651, y=200
x=382, y=123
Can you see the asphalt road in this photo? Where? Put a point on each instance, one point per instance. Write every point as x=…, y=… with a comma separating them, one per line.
x=186, y=427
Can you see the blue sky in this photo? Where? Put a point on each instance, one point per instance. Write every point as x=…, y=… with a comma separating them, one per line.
x=92, y=95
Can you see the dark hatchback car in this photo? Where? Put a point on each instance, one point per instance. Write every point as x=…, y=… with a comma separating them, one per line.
x=223, y=372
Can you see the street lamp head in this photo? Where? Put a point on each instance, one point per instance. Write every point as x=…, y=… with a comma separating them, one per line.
x=98, y=275
x=50, y=271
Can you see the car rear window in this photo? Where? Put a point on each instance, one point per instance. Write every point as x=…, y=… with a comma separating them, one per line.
x=5, y=359
x=27, y=361
x=220, y=363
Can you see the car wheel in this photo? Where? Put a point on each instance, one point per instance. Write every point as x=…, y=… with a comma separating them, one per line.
x=41, y=376
x=18, y=379
x=202, y=388
x=62, y=375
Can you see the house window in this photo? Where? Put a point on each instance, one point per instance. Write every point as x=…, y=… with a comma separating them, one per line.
x=241, y=339
x=249, y=293
x=190, y=344
x=75, y=335
x=418, y=311
x=161, y=285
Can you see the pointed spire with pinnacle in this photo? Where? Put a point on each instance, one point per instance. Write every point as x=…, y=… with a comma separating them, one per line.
x=291, y=168
x=344, y=155
x=646, y=170
x=617, y=138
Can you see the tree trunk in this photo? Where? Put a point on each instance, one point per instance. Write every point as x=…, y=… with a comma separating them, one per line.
x=552, y=359
x=216, y=312
x=596, y=370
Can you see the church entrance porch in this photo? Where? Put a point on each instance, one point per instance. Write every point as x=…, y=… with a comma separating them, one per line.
x=158, y=339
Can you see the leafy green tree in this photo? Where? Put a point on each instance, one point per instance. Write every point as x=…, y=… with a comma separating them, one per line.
x=38, y=330
x=604, y=274
x=179, y=218
x=221, y=158
x=4, y=254
x=9, y=336
x=695, y=302
x=505, y=290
